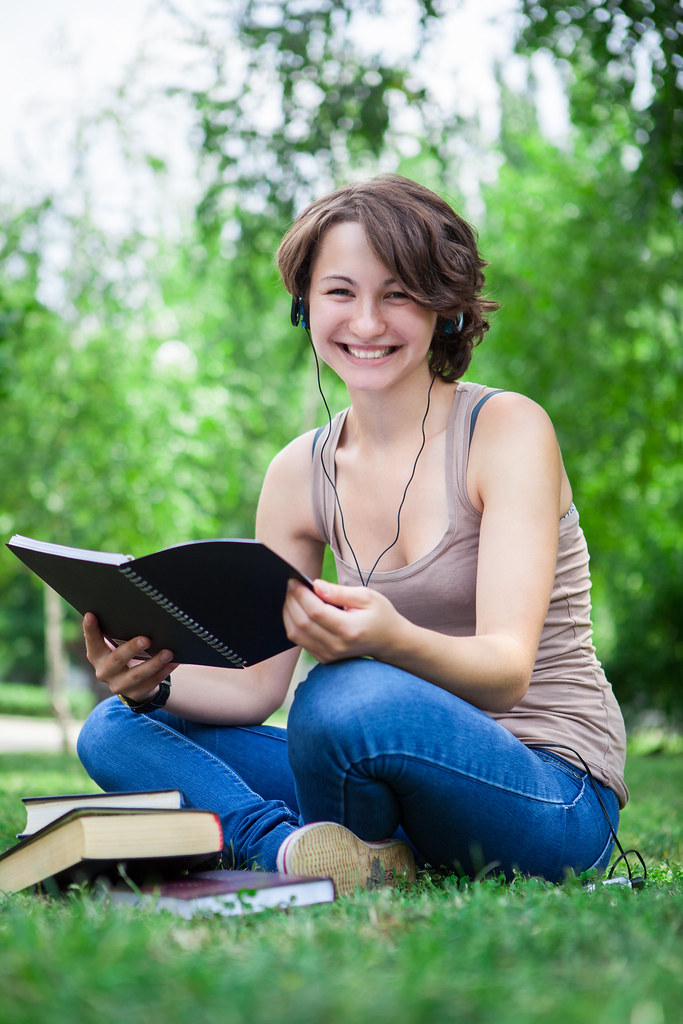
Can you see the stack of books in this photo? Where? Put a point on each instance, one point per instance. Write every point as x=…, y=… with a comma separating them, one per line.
x=142, y=848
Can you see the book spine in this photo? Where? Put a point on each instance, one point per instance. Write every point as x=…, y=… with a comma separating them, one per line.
x=177, y=613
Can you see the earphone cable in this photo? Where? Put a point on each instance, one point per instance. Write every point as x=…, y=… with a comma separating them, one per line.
x=366, y=581
x=623, y=854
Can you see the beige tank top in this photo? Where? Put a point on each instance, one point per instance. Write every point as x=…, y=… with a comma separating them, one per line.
x=569, y=700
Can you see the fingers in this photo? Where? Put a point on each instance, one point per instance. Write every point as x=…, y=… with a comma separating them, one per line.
x=333, y=622
x=306, y=605
x=120, y=668
x=97, y=646
x=341, y=597
x=326, y=629
x=301, y=614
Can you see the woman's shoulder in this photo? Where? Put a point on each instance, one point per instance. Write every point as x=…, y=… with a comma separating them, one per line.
x=293, y=462
x=513, y=447
x=285, y=517
x=300, y=452
x=498, y=409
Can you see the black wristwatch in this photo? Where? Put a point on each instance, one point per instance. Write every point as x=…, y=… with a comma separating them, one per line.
x=139, y=707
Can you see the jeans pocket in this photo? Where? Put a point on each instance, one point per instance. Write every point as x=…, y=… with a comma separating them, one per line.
x=559, y=762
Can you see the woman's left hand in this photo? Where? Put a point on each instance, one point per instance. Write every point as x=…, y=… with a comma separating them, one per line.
x=332, y=622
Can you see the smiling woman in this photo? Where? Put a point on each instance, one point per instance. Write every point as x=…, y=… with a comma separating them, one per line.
x=430, y=252
x=365, y=321
x=455, y=653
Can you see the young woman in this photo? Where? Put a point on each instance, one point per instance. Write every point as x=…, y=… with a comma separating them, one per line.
x=458, y=711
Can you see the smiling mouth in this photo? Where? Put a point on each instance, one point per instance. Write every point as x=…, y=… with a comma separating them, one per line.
x=369, y=353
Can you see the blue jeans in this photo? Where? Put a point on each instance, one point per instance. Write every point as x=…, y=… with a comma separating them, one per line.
x=377, y=750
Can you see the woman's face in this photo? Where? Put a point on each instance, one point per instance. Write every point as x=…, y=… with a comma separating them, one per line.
x=362, y=322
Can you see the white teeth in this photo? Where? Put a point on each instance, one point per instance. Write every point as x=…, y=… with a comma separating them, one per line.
x=365, y=353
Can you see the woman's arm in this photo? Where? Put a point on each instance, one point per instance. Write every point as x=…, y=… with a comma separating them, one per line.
x=224, y=696
x=227, y=696
x=516, y=479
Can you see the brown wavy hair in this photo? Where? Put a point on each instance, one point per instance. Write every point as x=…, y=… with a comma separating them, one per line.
x=428, y=247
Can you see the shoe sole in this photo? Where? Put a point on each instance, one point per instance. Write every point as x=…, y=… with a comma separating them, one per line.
x=325, y=849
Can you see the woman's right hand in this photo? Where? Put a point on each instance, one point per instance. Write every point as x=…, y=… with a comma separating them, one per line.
x=121, y=668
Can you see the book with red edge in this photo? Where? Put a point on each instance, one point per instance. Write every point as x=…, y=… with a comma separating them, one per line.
x=227, y=893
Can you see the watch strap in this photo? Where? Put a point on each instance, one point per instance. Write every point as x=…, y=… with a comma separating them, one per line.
x=153, y=703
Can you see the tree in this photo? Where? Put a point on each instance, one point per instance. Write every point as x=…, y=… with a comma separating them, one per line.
x=154, y=398
x=626, y=61
x=306, y=107
x=624, y=76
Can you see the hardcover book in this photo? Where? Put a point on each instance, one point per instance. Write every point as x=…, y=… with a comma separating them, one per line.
x=211, y=602
x=90, y=843
x=228, y=893
x=41, y=810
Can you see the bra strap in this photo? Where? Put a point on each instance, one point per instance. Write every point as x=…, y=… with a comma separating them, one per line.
x=477, y=409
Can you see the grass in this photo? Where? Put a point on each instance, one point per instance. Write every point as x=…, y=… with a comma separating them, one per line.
x=34, y=701
x=480, y=953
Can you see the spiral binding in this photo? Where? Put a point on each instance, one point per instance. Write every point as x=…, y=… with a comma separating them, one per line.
x=173, y=610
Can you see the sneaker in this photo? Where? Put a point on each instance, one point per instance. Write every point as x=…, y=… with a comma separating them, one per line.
x=329, y=850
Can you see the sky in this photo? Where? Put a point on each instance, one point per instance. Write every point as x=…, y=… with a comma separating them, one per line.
x=60, y=59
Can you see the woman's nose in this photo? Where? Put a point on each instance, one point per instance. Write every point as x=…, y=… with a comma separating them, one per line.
x=367, y=321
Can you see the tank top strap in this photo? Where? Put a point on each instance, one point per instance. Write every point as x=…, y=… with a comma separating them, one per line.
x=324, y=448
x=469, y=400
x=315, y=440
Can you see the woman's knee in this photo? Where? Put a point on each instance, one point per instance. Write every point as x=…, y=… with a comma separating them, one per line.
x=369, y=691
x=346, y=710
x=101, y=732
x=345, y=691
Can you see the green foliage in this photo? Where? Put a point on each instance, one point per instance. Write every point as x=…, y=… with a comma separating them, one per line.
x=442, y=951
x=23, y=317
x=308, y=107
x=147, y=380
x=163, y=405
x=626, y=61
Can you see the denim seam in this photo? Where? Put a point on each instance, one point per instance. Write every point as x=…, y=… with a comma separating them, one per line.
x=261, y=731
x=474, y=778
x=566, y=767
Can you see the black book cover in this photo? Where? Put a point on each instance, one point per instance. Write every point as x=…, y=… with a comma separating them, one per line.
x=211, y=602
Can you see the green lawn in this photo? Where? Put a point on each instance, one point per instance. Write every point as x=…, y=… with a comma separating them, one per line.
x=481, y=954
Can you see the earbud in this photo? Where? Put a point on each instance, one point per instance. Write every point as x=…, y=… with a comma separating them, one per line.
x=451, y=326
x=298, y=313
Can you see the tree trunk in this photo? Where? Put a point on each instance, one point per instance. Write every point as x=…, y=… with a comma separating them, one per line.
x=55, y=661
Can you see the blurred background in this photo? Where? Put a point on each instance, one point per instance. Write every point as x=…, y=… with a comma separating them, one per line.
x=153, y=153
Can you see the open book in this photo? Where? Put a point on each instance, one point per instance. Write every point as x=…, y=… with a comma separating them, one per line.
x=211, y=602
